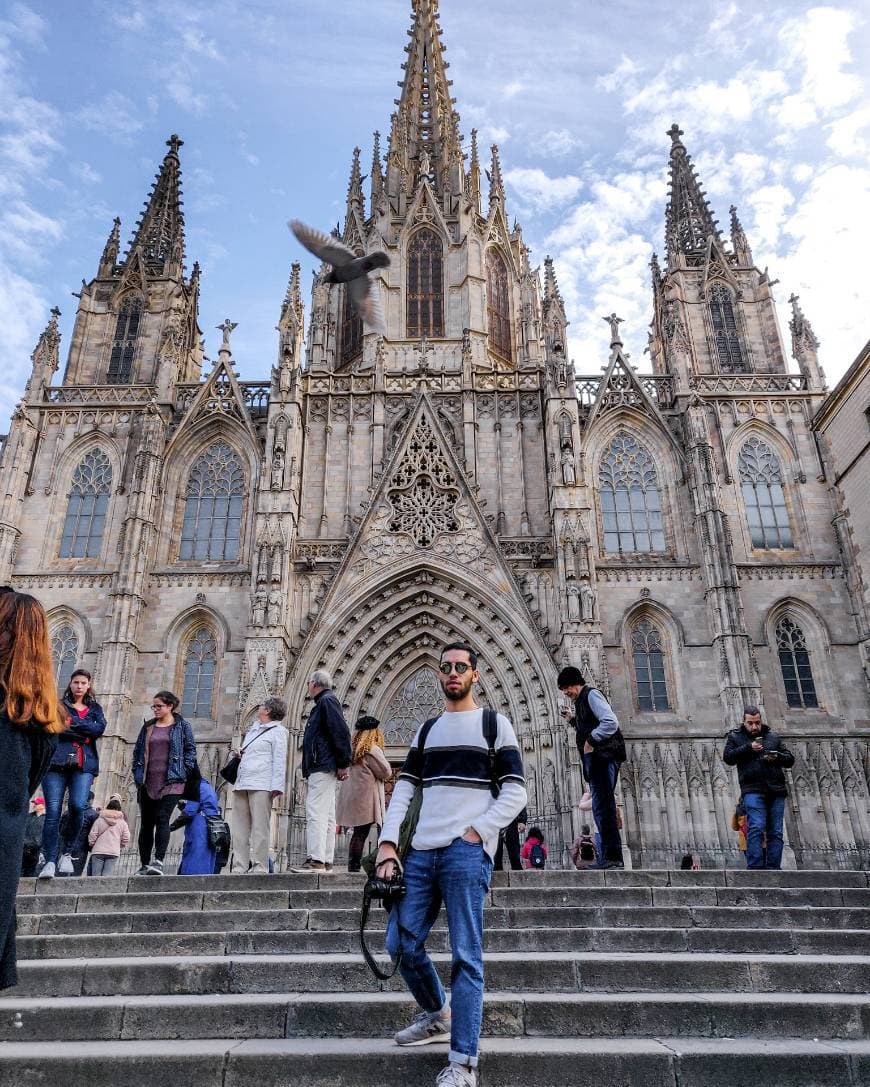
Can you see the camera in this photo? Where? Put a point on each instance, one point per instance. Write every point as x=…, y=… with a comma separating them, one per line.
x=387, y=891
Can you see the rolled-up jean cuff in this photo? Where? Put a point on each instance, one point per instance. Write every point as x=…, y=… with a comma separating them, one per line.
x=462, y=1058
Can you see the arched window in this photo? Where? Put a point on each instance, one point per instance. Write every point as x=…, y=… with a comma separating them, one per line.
x=64, y=653
x=763, y=495
x=649, y=667
x=794, y=662
x=200, y=665
x=213, y=507
x=124, y=342
x=631, y=505
x=728, y=349
x=425, y=285
x=498, y=306
x=86, y=511
x=351, y=331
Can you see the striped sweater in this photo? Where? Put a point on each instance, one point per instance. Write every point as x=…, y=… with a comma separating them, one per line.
x=454, y=771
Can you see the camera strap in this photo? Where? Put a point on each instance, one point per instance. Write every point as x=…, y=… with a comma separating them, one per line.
x=363, y=920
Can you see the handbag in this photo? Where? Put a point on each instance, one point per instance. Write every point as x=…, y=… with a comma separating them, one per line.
x=230, y=771
x=219, y=838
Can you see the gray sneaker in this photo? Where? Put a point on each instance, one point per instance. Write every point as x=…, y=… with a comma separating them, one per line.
x=456, y=1075
x=426, y=1027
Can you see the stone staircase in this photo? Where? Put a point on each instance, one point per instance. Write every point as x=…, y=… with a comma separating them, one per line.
x=642, y=978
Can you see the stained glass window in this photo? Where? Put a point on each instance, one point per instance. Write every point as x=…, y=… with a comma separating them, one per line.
x=425, y=285
x=351, y=330
x=200, y=663
x=763, y=495
x=213, y=507
x=631, y=505
x=85, y=519
x=64, y=653
x=649, y=667
x=725, y=334
x=794, y=661
x=124, y=341
x=419, y=699
x=498, y=307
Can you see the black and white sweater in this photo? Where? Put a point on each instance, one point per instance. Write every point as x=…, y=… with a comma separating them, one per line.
x=454, y=771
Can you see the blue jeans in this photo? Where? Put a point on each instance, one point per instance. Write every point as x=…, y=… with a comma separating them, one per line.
x=601, y=776
x=55, y=783
x=458, y=875
x=764, y=816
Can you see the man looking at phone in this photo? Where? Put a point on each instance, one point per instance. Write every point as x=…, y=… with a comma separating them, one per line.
x=760, y=757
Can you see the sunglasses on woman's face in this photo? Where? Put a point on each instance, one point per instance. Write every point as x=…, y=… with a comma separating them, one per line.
x=460, y=667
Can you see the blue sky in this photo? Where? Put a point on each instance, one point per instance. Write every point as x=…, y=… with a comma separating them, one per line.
x=270, y=97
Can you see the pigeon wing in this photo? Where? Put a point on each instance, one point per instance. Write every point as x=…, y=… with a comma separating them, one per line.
x=366, y=297
x=322, y=245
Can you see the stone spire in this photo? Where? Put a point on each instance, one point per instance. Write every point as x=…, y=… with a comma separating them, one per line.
x=655, y=274
x=496, y=185
x=377, y=173
x=110, y=251
x=738, y=239
x=688, y=220
x=472, y=182
x=291, y=307
x=160, y=232
x=425, y=123
x=46, y=355
x=553, y=312
x=805, y=347
x=355, y=200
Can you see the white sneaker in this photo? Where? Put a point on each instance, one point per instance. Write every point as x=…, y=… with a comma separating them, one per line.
x=65, y=867
x=426, y=1027
x=456, y=1075
x=47, y=871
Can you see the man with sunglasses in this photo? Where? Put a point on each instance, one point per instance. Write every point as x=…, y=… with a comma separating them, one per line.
x=450, y=859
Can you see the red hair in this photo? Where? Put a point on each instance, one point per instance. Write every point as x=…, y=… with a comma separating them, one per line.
x=27, y=684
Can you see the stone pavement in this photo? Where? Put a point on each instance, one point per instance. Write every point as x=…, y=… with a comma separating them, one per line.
x=643, y=978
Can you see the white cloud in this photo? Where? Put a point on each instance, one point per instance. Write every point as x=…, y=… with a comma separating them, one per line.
x=539, y=192
x=182, y=94
x=557, y=142
x=622, y=75
x=85, y=172
x=850, y=135
x=769, y=204
x=817, y=44
x=113, y=115
x=512, y=89
x=723, y=19
x=197, y=42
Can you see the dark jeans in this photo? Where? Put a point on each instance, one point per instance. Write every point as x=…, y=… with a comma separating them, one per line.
x=55, y=783
x=154, y=825
x=764, y=815
x=602, y=775
x=357, y=845
x=509, y=837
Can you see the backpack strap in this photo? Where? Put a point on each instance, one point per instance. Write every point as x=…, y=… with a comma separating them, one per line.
x=490, y=734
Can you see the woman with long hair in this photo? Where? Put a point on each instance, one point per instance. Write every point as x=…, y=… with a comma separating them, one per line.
x=361, y=797
x=30, y=719
x=74, y=766
x=163, y=759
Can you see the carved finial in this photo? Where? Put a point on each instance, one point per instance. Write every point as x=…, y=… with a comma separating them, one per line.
x=675, y=132
x=377, y=185
x=496, y=185
x=738, y=238
x=174, y=143
x=354, y=186
x=614, y=322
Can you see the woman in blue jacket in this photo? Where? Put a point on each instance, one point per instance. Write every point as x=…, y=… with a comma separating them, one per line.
x=73, y=768
x=197, y=856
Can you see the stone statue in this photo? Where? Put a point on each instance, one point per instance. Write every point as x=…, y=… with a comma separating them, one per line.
x=259, y=607
x=569, y=475
x=587, y=601
x=566, y=440
x=274, y=608
x=573, y=603
x=277, y=471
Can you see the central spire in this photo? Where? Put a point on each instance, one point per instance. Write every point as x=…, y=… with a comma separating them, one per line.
x=689, y=222
x=160, y=231
x=425, y=127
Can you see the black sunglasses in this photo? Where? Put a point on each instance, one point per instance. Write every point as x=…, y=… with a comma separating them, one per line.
x=446, y=667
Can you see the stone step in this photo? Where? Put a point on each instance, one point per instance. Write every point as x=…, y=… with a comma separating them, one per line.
x=379, y=1015
x=289, y=941
x=505, y=1062
x=566, y=971
x=768, y=918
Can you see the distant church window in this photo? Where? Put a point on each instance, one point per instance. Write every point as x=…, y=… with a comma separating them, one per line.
x=213, y=507
x=498, y=307
x=728, y=349
x=794, y=661
x=124, y=342
x=425, y=285
x=649, y=667
x=86, y=511
x=763, y=495
x=351, y=331
x=419, y=699
x=65, y=654
x=200, y=664
x=631, y=505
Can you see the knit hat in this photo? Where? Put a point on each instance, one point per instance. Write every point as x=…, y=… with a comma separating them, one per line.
x=366, y=723
x=39, y=801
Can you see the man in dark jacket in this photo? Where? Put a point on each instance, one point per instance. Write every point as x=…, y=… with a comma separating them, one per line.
x=602, y=750
x=326, y=756
x=760, y=757
x=510, y=838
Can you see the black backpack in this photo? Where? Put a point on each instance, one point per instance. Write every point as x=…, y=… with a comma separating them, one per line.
x=537, y=856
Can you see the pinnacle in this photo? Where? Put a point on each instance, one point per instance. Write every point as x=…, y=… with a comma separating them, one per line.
x=688, y=220
x=160, y=231
x=496, y=184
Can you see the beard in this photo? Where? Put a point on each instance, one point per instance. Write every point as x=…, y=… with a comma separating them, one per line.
x=457, y=693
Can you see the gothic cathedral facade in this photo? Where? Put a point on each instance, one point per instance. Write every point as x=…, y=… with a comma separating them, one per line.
x=675, y=534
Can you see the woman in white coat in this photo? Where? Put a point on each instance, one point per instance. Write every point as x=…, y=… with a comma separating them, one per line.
x=262, y=771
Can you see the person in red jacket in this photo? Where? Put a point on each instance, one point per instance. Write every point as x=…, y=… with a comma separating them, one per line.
x=534, y=852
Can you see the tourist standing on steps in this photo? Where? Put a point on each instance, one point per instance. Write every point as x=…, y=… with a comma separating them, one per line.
x=163, y=758
x=326, y=756
x=510, y=839
x=260, y=781
x=108, y=838
x=73, y=768
x=760, y=757
x=361, y=798
x=602, y=750
x=451, y=858
x=30, y=719
x=33, y=837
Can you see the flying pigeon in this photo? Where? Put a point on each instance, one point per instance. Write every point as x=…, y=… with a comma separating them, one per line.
x=347, y=268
